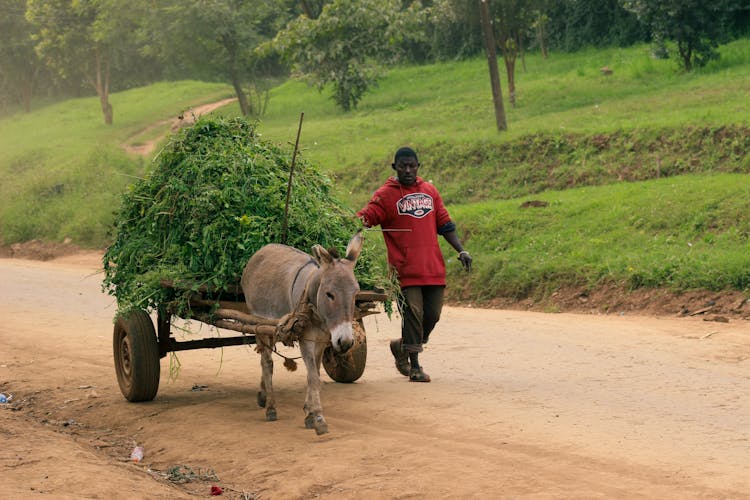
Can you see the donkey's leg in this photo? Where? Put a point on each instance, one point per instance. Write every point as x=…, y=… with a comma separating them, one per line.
x=312, y=354
x=265, y=396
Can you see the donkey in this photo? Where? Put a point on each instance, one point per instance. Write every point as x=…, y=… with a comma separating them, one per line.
x=277, y=280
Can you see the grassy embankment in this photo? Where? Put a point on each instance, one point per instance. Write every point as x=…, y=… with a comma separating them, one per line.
x=644, y=170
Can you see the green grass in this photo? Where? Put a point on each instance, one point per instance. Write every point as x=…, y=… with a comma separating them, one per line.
x=452, y=103
x=644, y=169
x=683, y=232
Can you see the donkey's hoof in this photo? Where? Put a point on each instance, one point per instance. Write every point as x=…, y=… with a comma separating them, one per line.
x=271, y=414
x=321, y=426
x=309, y=421
x=261, y=399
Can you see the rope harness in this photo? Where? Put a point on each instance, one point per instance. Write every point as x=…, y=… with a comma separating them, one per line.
x=290, y=327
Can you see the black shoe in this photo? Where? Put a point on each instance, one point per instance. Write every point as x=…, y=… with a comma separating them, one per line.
x=417, y=375
x=402, y=359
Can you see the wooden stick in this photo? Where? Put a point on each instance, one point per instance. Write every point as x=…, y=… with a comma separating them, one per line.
x=249, y=319
x=237, y=326
x=289, y=186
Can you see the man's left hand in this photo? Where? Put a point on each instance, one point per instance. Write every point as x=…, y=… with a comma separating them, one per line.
x=465, y=259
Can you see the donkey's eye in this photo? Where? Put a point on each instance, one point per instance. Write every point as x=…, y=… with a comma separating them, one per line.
x=329, y=295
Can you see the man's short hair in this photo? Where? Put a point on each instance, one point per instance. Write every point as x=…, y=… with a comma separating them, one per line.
x=405, y=152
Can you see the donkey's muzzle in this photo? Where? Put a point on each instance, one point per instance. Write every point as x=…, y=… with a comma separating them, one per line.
x=343, y=345
x=342, y=338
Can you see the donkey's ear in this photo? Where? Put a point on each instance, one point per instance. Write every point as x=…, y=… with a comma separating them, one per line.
x=321, y=255
x=354, y=247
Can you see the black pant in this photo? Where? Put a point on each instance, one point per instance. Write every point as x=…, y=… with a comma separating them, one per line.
x=420, y=308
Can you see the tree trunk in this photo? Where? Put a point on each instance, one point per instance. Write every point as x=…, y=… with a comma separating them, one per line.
x=510, y=69
x=241, y=96
x=234, y=75
x=101, y=84
x=259, y=95
x=489, y=45
x=510, y=53
x=107, y=110
x=540, y=35
x=686, y=54
x=27, y=89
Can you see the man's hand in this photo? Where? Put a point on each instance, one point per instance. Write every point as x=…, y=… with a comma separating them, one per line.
x=465, y=259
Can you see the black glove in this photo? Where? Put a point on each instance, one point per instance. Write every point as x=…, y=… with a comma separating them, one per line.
x=465, y=259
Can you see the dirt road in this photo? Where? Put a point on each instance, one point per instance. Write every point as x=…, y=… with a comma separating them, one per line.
x=522, y=405
x=142, y=144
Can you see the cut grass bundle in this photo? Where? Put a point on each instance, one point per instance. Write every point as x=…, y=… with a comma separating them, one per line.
x=215, y=195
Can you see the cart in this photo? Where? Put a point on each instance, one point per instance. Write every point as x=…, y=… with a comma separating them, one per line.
x=138, y=346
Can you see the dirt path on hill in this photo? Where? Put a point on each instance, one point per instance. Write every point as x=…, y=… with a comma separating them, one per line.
x=186, y=118
x=522, y=405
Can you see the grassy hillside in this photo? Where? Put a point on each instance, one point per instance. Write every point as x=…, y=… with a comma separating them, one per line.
x=62, y=170
x=643, y=170
x=565, y=94
x=682, y=233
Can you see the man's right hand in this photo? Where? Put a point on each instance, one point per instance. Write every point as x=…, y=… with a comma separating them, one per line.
x=465, y=259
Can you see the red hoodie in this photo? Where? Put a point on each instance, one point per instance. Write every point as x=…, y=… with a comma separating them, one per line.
x=415, y=254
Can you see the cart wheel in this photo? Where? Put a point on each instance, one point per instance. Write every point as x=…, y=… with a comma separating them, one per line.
x=136, y=356
x=349, y=366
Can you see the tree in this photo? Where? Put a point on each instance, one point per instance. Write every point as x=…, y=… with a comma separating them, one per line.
x=452, y=30
x=540, y=26
x=88, y=39
x=512, y=18
x=696, y=26
x=539, y=12
x=19, y=64
x=215, y=39
x=344, y=44
x=489, y=45
x=574, y=24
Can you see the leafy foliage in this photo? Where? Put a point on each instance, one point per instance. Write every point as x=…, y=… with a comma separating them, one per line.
x=216, y=195
x=696, y=27
x=342, y=46
x=91, y=40
x=19, y=65
x=576, y=24
x=214, y=40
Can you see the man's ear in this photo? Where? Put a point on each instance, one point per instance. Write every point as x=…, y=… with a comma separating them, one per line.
x=393, y=166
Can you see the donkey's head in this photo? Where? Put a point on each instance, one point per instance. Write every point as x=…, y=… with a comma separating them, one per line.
x=336, y=292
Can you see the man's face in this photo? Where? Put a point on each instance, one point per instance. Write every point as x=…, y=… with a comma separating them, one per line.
x=406, y=170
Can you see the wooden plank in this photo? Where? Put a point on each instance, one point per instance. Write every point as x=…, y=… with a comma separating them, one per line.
x=231, y=289
x=211, y=343
x=371, y=296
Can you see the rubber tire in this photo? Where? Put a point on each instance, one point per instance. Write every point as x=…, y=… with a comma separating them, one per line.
x=136, y=353
x=348, y=367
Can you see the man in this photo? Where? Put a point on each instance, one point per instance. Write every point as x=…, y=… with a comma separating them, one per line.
x=411, y=213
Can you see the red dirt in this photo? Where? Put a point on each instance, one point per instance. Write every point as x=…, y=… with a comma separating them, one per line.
x=521, y=405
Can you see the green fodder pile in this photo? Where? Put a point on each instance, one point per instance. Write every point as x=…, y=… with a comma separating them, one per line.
x=213, y=197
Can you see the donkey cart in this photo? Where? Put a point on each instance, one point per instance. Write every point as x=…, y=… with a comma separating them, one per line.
x=138, y=346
